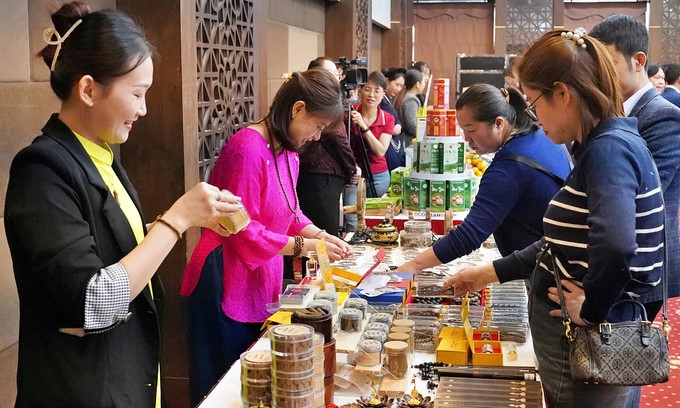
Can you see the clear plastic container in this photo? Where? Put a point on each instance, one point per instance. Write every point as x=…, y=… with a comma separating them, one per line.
x=292, y=398
x=415, y=226
x=256, y=365
x=357, y=303
x=381, y=336
x=381, y=327
x=291, y=339
x=300, y=380
x=329, y=295
x=368, y=353
x=381, y=318
x=252, y=392
x=350, y=320
x=293, y=362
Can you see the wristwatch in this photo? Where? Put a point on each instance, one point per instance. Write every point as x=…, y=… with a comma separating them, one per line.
x=364, y=130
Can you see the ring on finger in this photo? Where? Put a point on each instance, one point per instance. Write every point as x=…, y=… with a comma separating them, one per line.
x=219, y=195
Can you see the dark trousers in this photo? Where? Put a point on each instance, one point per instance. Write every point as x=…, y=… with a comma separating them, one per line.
x=319, y=196
x=215, y=340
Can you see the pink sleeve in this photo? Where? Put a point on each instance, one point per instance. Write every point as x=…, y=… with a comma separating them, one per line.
x=240, y=169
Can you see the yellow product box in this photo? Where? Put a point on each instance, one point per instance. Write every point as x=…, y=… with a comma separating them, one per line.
x=454, y=332
x=453, y=351
x=483, y=351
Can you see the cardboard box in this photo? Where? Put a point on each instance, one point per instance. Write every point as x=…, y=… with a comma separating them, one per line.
x=479, y=357
x=453, y=351
x=438, y=195
x=441, y=88
x=436, y=158
x=436, y=123
x=417, y=194
x=424, y=157
x=453, y=158
x=397, y=181
x=458, y=196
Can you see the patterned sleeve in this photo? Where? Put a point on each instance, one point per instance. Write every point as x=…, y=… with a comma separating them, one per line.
x=107, y=299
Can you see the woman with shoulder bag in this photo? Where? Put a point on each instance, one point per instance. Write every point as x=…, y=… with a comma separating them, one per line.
x=604, y=227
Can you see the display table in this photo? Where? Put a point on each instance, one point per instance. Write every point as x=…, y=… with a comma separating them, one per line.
x=227, y=392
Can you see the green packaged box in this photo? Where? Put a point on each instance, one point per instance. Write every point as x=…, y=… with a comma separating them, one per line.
x=397, y=181
x=417, y=194
x=424, y=157
x=436, y=158
x=459, y=195
x=416, y=156
x=453, y=158
x=438, y=195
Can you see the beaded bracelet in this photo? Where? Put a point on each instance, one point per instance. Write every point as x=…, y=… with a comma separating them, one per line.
x=297, y=247
x=167, y=224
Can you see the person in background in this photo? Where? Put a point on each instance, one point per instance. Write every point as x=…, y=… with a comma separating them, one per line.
x=656, y=76
x=85, y=264
x=395, y=155
x=605, y=226
x=672, y=90
x=326, y=166
x=395, y=82
x=427, y=73
x=371, y=133
x=526, y=172
x=407, y=103
x=230, y=280
x=658, y=122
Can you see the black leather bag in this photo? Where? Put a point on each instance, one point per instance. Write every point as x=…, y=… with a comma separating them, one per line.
x=625, y=353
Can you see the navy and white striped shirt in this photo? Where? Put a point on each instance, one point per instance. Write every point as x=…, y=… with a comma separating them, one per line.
x=605, y=225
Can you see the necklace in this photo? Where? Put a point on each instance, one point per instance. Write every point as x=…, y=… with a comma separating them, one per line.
x=292, y=209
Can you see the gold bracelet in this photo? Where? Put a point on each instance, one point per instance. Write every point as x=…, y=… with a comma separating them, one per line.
x=167, y=224
x=318, y=234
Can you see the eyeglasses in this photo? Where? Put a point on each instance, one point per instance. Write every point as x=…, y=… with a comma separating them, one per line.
x=369, y=91
x=531, y=109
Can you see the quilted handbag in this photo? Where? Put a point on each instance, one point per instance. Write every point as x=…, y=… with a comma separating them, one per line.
x=624, y=353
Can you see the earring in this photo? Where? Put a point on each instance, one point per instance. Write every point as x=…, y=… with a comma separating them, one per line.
x=292, y=116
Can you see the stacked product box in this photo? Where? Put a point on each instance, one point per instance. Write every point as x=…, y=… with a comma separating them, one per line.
x=439, y=178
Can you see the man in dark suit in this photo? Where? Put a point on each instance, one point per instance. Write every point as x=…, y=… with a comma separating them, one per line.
x=658, y=123
x=672, y=91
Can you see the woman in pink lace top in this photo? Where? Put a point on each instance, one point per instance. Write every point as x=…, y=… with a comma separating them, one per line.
x=229, y=280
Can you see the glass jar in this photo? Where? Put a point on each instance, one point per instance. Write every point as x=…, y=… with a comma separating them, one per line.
x=396, y=358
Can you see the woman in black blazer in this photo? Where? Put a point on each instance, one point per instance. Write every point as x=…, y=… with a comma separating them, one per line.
x=83, y=261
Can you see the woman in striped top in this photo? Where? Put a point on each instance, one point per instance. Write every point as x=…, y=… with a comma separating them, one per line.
x=605, y=225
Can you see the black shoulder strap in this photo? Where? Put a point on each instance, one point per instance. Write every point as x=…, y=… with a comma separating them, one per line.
x=534, y=165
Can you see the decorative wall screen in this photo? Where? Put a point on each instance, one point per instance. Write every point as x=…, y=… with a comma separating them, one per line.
x=225, y=51
x=670, y=32
x=363, y=16
x=526, y=22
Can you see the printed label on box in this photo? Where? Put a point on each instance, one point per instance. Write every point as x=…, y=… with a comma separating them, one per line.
x=457, y=195
x=438, y=196
x=424, y=158
x=436, y=158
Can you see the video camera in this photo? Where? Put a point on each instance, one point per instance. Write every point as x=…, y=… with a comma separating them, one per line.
x=351, y=77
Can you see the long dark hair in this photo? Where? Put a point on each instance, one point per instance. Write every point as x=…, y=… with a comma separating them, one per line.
x=106, y=45
x=486, y=102
x=317, y=88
